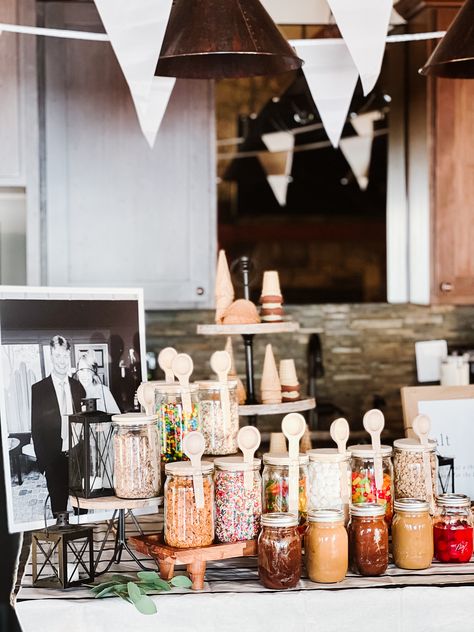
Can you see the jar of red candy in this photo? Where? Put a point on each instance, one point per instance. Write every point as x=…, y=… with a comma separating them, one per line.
x=452, y=529
x=365, y=486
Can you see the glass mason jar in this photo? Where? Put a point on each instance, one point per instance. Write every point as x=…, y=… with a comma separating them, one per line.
x=219, y=422
x=276, y=483
x=177, y=408
x=279, y=551
x=412, y=534
x=136, y=456
x=238, y=499
x=409, y=479
x=329, y=480
x=368, y=539
x=453, y=528
x=364, y=488
x=326, y=546
x=186, y=525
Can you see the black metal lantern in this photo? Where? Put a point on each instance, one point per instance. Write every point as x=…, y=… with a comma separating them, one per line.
x=446, y=474
x=91, y=464
x=62, y=555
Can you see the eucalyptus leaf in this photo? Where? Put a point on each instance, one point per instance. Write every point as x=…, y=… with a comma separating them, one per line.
x=97, y=588
x=181, y=581
x=105, y=591
x=134, y=592
x=145, y=605
x=121, y=578
x=147, y=576
x=161, y=584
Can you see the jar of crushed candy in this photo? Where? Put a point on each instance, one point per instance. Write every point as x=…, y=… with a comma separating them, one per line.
x=186, y=523
x=364, y=488
x=238, y=498
x=219, y=410
x=453, y=529
x=329, y=480
x=177, y=409
x=276, y=484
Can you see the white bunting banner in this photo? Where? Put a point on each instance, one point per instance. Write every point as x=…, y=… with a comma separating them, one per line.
x=136, y=30
x=364, y=25
x=279, y=141
x=364, y=123
x=279, y=186
x=357, y=151
x=332, y=77
x=300, y=12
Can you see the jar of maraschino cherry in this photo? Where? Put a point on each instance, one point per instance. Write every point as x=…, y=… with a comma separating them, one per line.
x=453, y=529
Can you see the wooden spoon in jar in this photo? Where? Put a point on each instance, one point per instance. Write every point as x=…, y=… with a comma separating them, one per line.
x=193, y=448
x=165, y=361
x=293, y=427
x=182, y=367
x=248, y=440
x=339, y=432
x=422, y=427
x=374, y=423
x=221, y=363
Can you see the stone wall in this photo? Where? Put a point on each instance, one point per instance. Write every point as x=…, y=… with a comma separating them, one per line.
x=368, y=349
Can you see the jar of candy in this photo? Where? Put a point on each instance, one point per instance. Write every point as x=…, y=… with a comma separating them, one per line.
x=279, y=551
x=188, y=522
x=219, y=410
x=412, y=534
x=136, y=456
x=326, y=546
x=453, y=528
x=238, y=498
x=365, y=487
x=177, y=408
x=329, y=480
x=368, y=539
x=415, y=470
x=276, y=483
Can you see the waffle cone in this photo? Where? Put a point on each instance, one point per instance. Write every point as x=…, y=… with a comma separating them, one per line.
x=270, y=385
x=271, y=283
x=277, y=443
x=305, y=444
x=224, y=290
x=288, y=375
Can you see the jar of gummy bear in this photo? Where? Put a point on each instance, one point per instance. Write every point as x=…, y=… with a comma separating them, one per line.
x=453, y=529
x=365, y=486
x=276, y=488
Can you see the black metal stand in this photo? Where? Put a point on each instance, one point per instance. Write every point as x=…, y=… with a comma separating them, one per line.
x=248, y=343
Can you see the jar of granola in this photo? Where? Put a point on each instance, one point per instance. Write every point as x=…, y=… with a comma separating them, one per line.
x=177, y=408
x=276, y=477
x=189, y=519
x=219, y=410
x=415, y=470
x=136, y=456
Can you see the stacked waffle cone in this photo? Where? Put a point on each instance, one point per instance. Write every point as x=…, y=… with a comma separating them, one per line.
x=290, y=387
x=270, y=385
x=271, y=299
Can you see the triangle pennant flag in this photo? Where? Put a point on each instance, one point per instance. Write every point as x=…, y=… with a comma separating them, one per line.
x=136, y=30
x=364, y=123
x=364, y=26
x=279, y=186
x=357, y=151
x=279, y=141
x=332, y=77
x=276, y=164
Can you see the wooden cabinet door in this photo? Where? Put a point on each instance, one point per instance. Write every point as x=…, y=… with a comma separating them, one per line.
x=118, y=213
x=452, y=131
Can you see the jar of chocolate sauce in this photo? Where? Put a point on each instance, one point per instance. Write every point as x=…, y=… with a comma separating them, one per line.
x=368, y=539
x=279, y=551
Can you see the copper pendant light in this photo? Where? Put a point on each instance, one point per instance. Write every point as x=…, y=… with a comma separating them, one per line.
x=454, y=56
x=214, y=39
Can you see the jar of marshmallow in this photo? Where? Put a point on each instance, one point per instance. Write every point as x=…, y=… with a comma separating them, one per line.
x=329, y=480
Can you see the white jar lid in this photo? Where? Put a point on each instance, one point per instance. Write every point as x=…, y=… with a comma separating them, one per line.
x=326, y=515
x=411, y=505
x=453, y=500
x=175, y=388
x=366, y=450
x=413, y=445
x=369, y=510
x=215, y=385
x=279, y=519
x=134, y=419
x=282, y=458
x=236, y=464
x=184, y=468
x=327, y=455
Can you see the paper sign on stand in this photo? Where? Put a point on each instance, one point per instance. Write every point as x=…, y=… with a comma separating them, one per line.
x=364, y=25
x=357, y=151
x=136, y=30
x=332, y=77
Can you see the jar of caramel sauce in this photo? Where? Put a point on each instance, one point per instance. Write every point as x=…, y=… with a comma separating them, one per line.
x=326, y=546
x=412, y=534
x=368, y=539
x=279, y=551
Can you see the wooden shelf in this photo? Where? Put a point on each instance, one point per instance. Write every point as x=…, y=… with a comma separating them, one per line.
x=110, y=503
x=278, y=409
x=258, y=328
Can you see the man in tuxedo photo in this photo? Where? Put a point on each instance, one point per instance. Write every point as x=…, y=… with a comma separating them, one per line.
x=52, y=400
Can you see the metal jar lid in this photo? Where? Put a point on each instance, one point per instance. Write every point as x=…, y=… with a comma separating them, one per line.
x=175, y=388
x=366, y=450
x=235, y=464
x=215, y=385
x=413, y=445
x=453, y=500
x=367, y=510
x=134, y=419
x=326, y=515
x=282, y=458
x=411, y=505
x=327, y=455
x=184, y=468
x=279, y=519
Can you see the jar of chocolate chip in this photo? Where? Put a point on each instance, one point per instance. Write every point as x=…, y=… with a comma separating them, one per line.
x=415, y=470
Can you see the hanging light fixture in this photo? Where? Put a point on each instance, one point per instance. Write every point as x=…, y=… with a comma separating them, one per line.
x=454, y=56
x=214, y=39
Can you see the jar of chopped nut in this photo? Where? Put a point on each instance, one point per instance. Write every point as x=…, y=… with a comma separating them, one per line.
x=415, y=470
x=189, y=520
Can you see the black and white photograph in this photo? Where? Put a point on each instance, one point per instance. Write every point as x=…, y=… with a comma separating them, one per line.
x=59, y=348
